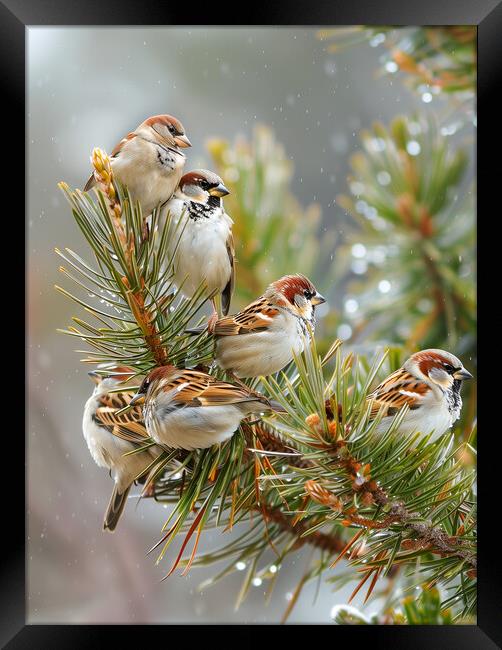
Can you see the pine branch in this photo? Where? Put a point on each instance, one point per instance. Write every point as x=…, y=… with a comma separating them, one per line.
x=136, y=295
x=272, y=441
x=311, y=474
x=145, y=320
x=432, y=538
x=352, y=473
x=331, y=543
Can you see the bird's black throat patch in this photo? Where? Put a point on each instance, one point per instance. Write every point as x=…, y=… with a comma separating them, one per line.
x=198, y=211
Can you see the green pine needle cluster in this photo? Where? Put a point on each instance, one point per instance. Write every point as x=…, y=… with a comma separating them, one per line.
x=424, y=610
x=137, y=317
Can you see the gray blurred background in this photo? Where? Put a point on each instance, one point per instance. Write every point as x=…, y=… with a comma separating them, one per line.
x=87, y=88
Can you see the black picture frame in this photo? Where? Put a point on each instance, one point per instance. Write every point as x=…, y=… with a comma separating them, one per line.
x=16, y=16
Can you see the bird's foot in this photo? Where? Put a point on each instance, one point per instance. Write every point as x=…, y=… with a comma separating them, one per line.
x=148, y=490
x=211, y=323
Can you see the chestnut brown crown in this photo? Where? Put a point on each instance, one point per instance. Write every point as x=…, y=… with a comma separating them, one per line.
x=439, y=366
x=168, y=128
x=292, y=286
x=203, y=180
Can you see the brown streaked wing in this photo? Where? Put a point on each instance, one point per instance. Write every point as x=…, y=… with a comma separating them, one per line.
x=116, y=400
x=91, y=181
x=204, y=390
x=389, y=382
x=253, y=318
x=390, y=396
x=128, y=425
x=226, y=295
x=118, y=147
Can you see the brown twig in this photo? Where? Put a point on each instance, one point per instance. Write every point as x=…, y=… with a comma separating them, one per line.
x=144, y=317
x=331, y=543
x=271, y=441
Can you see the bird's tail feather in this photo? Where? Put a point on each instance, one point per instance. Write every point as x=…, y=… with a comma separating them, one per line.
x=195, y=330
x=115, y=507
x=275, y=406
x=91, y=181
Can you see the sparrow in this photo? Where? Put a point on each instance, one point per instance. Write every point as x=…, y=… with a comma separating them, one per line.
x=204, y=250
x=110, y=435
x=189, y=409
x=429, y=383
x=149, y=161
x=261, y=339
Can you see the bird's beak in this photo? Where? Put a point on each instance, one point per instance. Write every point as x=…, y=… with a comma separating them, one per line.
x=182, y=141
x=219, y=190
x=462, y=374
x=139, y=398
x=96, y=378
x=318, y=299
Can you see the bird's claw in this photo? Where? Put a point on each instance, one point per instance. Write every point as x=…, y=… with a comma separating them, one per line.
x=211, y=323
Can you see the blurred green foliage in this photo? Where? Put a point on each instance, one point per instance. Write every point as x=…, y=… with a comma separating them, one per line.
x=442, y=59
x=274, y=235
x=417, y=234
x=416, y=240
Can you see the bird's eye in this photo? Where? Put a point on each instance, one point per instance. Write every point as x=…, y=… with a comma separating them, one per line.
x=448, y=367
x=307, y=294
x=171, y=128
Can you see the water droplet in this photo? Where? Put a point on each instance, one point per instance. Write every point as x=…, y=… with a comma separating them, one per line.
x=383, y=178
x=413, y=148
x=344, y=331
x=358, y=250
